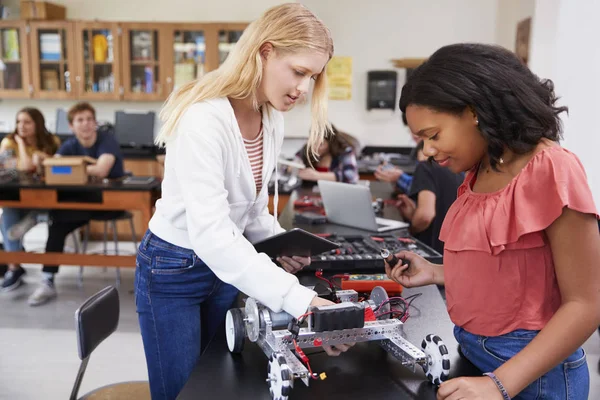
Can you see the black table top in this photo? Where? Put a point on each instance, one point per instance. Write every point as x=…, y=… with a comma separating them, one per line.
x=29, y=182
x=364, y=372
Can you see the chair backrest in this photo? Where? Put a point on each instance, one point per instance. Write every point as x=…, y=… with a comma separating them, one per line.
x=96, y=319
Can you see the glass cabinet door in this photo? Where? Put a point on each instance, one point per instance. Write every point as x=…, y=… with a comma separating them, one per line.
x=52, y=50
x=227, y=40
x=14, y=63
x=98, y=49
x=189, y=57
x=142, y=77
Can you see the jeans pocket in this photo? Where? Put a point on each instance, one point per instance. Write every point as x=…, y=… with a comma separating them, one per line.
x=503, y=348
x=577, y=377
x=163, y=265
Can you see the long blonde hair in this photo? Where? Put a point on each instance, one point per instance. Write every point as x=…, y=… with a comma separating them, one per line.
x=289, y=28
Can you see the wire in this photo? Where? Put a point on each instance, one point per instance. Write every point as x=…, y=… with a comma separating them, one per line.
x=319, y=274
x=304, y=359
x=403, y=312
x=301, y=318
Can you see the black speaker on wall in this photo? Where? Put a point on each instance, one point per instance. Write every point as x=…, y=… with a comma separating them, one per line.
x=381, y=89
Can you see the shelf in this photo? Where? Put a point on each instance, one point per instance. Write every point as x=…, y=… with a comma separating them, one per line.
x=143, y=63
x=11, y=61
x=53, y=62
x=408, y=62
x=99, y=63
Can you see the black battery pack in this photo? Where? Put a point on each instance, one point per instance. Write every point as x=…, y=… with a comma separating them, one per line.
x=338, y=317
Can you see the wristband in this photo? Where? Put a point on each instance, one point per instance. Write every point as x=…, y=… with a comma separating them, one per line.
x=498, y=384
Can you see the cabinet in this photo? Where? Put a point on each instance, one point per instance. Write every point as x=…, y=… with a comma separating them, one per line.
x=53, y=60
x=187, y=57
x=14, y=60
x=98, y=51
x=228, y=36
x=95, y=60
x=144, y=60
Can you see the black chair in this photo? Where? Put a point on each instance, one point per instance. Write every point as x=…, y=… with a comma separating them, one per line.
x=95, y=320
x=121, y=216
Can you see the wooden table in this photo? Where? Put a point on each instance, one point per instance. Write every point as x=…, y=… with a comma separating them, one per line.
x=28, y=193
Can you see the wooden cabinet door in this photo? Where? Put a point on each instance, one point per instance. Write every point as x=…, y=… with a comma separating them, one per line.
x=228, y=35
x=15, y=71
x=98, y=52
x=187, y=52
x=53, y=60
x=143, y=61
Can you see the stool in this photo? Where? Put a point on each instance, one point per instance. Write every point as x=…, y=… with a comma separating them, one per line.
x=124, y=215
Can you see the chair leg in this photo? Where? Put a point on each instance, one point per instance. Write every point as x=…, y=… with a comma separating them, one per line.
x=116, y=240
x=86, y=238
x=133, y=235
x=75, y=236
x=105, y=237
x=79, y=378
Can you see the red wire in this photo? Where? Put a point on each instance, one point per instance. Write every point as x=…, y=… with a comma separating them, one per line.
x=304, y=315
x=304, y=358
x=326, y=280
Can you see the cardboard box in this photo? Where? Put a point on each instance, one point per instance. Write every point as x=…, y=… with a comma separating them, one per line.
x=42, y=10
x=67, y=170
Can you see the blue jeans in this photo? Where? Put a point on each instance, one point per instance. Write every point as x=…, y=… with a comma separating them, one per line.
x=180, y=304
x=569, y=380
x=10, y=217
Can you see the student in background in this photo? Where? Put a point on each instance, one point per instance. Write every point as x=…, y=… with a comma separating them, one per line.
x=431, y=194
x=392, y=174
x=29, y=144
x=109, y=164
x=335, y=159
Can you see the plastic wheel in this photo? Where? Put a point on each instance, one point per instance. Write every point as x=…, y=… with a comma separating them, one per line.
x=235, y=331
x=279, y=377
x=437, y=367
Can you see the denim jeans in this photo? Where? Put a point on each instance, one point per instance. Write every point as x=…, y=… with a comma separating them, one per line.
x=569, y=380
x=180, y=304
x=10, y=217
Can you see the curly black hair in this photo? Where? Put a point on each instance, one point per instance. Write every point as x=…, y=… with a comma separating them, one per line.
x=515, y=108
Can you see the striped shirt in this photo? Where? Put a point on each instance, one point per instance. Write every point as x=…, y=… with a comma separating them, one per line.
x=254, y=148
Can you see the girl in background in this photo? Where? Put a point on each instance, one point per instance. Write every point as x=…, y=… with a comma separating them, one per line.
x=30, y=144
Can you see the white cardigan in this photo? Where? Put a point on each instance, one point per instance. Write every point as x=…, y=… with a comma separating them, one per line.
x=209, y=203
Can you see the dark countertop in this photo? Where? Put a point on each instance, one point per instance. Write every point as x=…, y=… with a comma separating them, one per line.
x=129, y=153
x=364, y=372
x=28, y=182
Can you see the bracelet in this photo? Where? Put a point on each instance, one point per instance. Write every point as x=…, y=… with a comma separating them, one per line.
x=499, y=384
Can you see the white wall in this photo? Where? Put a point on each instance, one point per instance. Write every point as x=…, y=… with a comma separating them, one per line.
x=509, y=14
x=565, y=38
x=376, y=31
x=371, y=32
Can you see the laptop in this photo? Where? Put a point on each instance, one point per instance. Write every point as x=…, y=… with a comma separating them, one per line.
x=352, y=205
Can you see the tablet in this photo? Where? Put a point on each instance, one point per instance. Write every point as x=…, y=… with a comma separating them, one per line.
x=295, y=242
